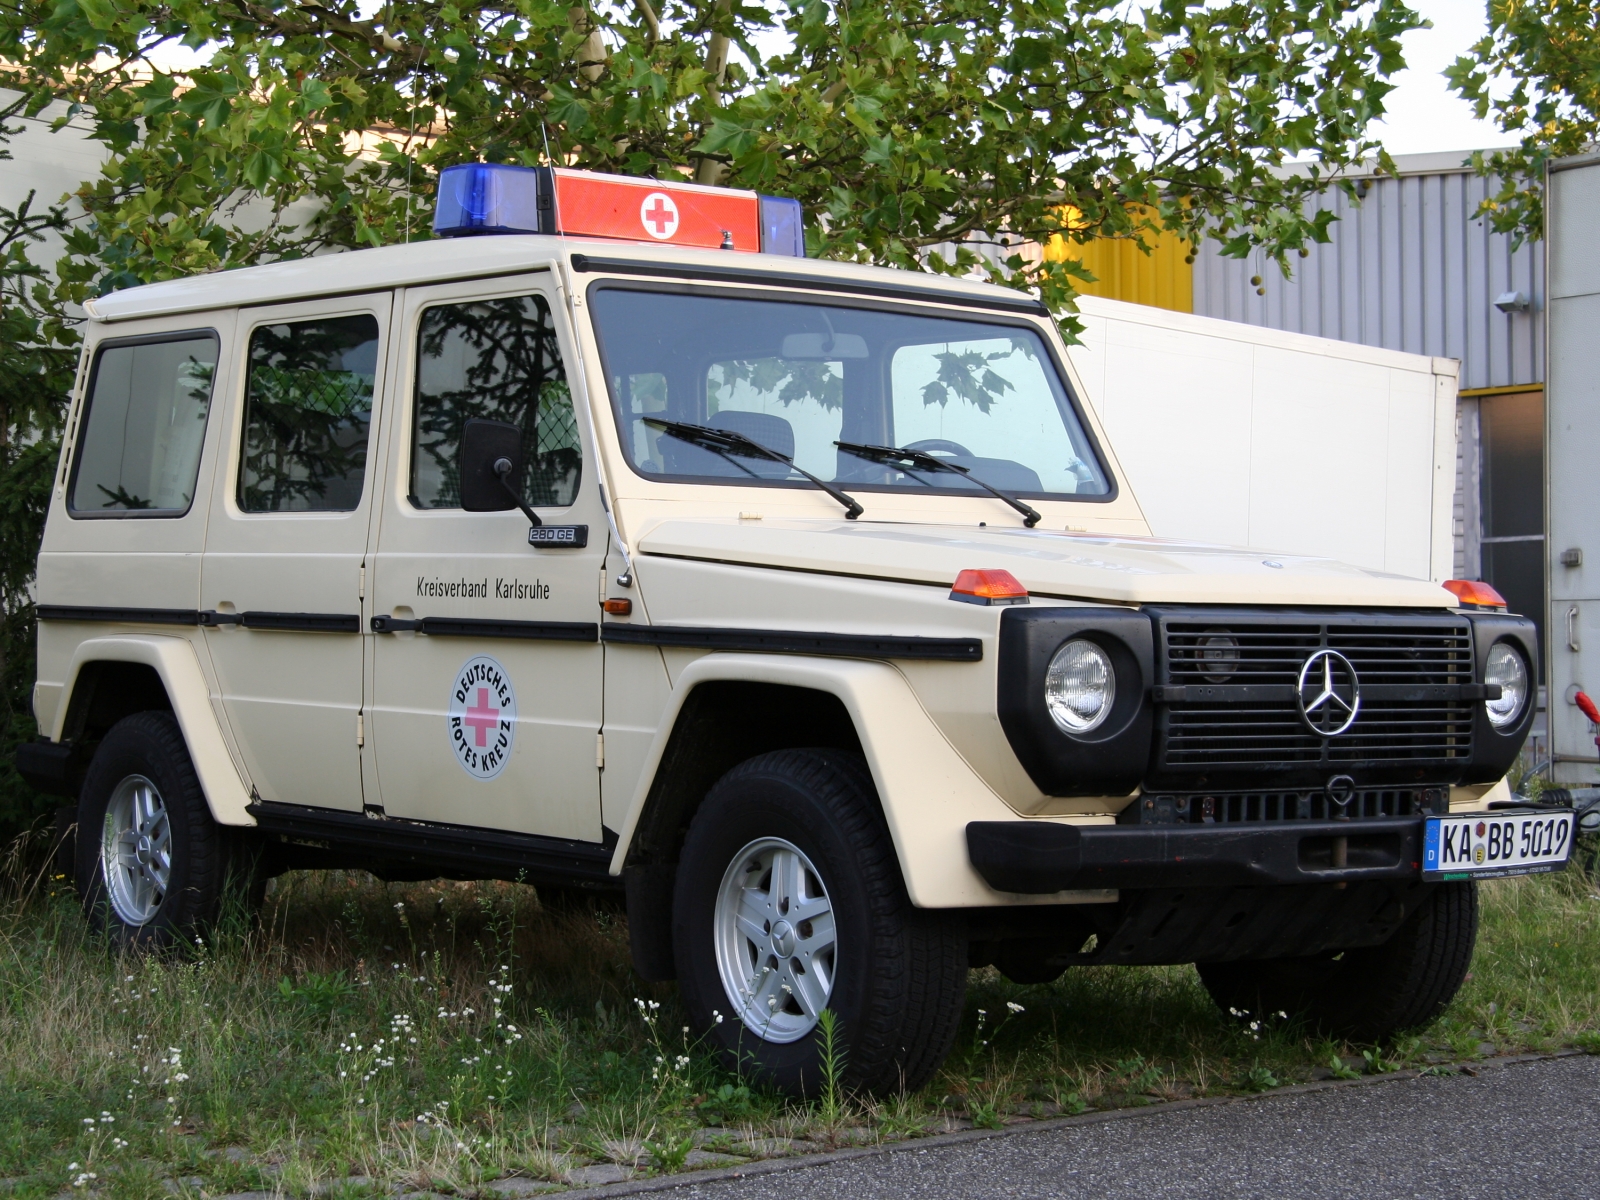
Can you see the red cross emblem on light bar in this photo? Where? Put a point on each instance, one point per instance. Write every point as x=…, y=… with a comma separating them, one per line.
x=481, y=717
x=659, y=215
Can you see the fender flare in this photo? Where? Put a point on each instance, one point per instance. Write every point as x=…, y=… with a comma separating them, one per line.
x=175, y=662
x=928, y=791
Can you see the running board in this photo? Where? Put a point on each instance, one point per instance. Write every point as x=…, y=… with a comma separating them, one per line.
x=325, y=837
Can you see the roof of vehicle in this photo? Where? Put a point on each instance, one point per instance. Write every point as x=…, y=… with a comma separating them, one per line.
x=441, y=260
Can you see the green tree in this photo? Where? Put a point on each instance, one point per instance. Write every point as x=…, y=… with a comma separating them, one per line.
x=900, y=126
x=36, y=368
x=1537, y=74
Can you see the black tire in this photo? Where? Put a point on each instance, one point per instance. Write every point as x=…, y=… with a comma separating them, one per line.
x=208, y=864
x=899, y=974
x=1368, y=994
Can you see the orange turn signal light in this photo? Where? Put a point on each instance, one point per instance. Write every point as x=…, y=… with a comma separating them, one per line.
x=619, y=607
x=988, y=587
x=1475, y=592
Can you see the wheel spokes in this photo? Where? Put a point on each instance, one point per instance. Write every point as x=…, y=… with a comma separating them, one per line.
x=816, y=934
x=787, y=882
x=136, y=850
x=775, y=934
x=810, y=990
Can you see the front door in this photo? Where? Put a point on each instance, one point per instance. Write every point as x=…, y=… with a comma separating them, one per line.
x=281, y=580
x=486, y=685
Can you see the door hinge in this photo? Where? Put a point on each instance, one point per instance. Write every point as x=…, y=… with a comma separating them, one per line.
x=600, y=750
x=361, y=730
x=603, y=588
x=361, y=588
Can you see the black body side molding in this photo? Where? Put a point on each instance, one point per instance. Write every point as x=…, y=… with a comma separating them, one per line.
x=783, y=641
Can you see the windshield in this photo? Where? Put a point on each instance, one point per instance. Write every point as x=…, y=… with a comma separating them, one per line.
x=798, y=378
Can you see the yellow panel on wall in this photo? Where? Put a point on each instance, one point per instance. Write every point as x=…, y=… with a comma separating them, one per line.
x=1161, y=278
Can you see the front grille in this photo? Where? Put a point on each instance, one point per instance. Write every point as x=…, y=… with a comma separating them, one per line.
x=1250, y=808
x=1239, y=713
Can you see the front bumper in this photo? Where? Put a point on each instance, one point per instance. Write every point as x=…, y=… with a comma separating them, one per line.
x=1042, y=857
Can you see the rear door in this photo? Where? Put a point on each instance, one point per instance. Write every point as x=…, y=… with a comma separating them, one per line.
x=281, y=580
x=486, y=681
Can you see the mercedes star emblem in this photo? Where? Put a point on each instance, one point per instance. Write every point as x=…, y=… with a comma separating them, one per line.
x=1328, y=693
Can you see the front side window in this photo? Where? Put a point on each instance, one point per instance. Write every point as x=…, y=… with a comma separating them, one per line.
x=497, y=360
x=144, y=426
x=307, y=413
x=983, y=397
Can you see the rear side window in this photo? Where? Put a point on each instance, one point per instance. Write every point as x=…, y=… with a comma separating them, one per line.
x=144, y=426
x=499, y=360
x=307, y=413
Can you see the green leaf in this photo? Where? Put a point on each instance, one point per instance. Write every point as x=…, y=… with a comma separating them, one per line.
x=259, y=170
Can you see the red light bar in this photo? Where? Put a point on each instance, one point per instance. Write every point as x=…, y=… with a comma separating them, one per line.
x=1475, y=592
x=678, y=214
x=491, y=198
x=993, y=586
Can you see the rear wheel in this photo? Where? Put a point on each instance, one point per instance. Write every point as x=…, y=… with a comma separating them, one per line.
x=152, y=866
x=789, y=902
x=1369, y=993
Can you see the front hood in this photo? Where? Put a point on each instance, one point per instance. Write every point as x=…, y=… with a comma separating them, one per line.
x=1079, y=566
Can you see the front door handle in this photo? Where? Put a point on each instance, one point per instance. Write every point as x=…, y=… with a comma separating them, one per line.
x=1572, y=629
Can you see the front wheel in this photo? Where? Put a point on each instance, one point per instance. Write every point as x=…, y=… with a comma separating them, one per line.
x=1369, y=993
x=152, y=866
x=788, y=903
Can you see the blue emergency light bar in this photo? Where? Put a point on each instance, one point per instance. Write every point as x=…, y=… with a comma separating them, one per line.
x=491, y=198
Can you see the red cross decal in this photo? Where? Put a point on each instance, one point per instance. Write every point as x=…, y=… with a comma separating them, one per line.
x=481, y=717
x=660, y=212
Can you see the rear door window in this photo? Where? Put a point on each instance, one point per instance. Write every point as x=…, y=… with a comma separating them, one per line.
x=144, y=426
x=308, y=411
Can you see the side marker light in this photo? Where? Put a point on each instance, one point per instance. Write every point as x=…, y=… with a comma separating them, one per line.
x=1475, y=592
x=992, y=586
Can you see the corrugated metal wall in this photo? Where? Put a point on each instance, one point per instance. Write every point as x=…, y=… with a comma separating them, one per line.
x=1409, y=268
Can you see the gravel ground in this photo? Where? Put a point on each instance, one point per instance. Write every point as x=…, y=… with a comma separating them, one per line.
x=1530, y=1129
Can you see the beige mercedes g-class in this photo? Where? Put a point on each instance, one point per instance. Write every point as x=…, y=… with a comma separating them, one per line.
x=622, y=547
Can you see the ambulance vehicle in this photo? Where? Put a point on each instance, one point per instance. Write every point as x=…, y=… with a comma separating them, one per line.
x=607, y=542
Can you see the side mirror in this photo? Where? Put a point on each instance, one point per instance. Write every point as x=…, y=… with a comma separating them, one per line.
x=485, y=446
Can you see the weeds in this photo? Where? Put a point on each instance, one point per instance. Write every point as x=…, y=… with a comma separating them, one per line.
x=438, y=1036
x=832, y=1068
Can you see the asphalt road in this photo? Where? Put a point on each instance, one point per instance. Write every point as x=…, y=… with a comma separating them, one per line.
x=1530, y=1129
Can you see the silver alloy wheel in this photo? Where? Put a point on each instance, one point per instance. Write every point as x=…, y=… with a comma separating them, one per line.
x=775, y=940
x=136, y=850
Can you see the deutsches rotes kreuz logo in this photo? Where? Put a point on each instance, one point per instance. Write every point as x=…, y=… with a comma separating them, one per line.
x=483, y=717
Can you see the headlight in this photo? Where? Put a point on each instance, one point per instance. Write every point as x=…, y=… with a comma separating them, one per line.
x=1218, y=654
x=1080, y=686
x=1505, y=667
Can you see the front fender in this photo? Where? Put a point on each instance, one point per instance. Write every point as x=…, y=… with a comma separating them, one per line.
x=174, y=660
x=927, y=790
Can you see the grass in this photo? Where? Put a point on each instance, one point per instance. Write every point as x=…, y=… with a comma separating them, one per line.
x=379, y=1038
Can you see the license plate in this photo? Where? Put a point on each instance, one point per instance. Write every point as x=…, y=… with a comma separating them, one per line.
x=1487, y=845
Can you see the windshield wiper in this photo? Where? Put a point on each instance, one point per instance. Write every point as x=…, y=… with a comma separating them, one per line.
x=726, y=443
x=894, y=455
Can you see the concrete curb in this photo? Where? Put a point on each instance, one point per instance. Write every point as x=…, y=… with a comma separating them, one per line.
x=771, y=1166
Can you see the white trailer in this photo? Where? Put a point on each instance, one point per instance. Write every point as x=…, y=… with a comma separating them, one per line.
x=1248, y=436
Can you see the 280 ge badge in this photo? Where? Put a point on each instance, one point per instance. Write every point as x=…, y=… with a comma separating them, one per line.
x=483, y=717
